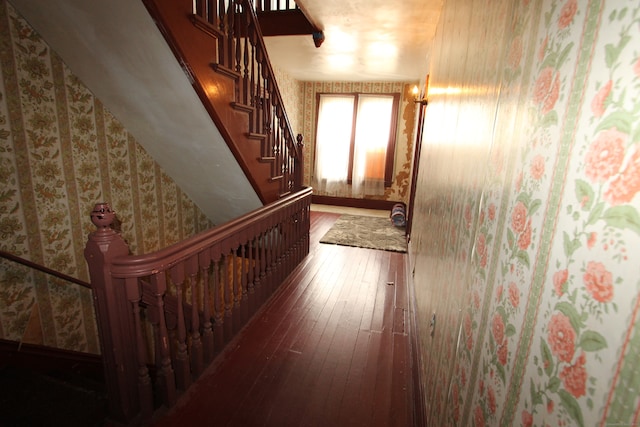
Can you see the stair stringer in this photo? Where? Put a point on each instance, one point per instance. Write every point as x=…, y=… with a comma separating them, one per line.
x=196, y=50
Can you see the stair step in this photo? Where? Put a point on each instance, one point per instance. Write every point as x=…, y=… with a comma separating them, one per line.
x=255, y=135
x=266, y=159
x=206, y=26
x=276, y=178
x=225, y=71
x=242, y=107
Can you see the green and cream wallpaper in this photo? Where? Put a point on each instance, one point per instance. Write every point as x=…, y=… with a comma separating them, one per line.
x=60, y=153
x=526, y=235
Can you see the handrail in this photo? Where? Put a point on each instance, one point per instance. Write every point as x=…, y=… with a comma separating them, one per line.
x=163, y=259
x=242, y=55
x=274, y=6
x=43, y=269
x=270, y=75
x=177, y=307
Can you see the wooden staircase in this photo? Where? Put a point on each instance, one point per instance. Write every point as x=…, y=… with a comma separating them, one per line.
x=221, y=48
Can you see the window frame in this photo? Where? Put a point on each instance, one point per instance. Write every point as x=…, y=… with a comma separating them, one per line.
x=393, y=132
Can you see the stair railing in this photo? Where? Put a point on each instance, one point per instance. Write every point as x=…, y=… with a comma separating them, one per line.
x=274, y=5
x=163, y=316
x=242, y=55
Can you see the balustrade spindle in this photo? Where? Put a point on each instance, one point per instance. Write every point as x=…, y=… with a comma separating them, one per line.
x=196, y=342
x=165, y=372
x=228, y=299
x=182, y=369
x=145, y=392
x=218, y=300
x=207, y=327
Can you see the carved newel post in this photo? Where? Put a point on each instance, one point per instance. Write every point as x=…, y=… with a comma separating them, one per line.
x=113, y=316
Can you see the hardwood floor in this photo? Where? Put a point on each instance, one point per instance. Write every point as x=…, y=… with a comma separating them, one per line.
x=330, y=348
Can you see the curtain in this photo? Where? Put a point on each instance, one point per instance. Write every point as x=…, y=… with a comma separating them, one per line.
x=373, y=127
x=333, y=142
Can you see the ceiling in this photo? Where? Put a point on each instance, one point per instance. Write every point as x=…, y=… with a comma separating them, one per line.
x=365, y=40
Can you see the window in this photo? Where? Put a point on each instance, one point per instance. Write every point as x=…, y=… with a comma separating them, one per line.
x=355, y=141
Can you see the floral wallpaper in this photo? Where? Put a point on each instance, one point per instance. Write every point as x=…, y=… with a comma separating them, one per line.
x=527, y=222
x=60, y=153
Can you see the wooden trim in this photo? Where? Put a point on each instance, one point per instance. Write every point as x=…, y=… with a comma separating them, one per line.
x=390, y=157
x=48, y=359
x=354, y=203
x=417, y=383
x=44, y=269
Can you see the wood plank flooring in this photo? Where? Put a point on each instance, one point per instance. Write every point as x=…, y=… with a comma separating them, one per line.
x=330, y=348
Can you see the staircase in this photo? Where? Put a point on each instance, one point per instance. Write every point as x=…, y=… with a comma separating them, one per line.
x=221, y=48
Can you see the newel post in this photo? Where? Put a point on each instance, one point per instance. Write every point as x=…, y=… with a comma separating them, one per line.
x=113, y=314
x=300, y=163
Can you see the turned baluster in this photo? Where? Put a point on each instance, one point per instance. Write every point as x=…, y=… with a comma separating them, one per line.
x=227, y=298
x=182, y=369
x=197, y=363
x=244, y=303
x=145, y=391
x=236, y=289
x=165, y=372
x=218, y=302
x=204, y=261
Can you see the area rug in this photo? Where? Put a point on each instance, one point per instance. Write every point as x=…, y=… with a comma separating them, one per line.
x=366, y=232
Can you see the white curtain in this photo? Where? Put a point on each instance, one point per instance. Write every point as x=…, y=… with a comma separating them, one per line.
x=370, y=150
x=333, y=141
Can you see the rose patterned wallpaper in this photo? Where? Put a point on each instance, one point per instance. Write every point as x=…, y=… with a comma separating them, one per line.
x=60, y=153
x=527, y=225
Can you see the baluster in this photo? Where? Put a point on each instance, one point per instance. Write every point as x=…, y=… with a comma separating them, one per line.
x=252, y=80
x=231, y=17
x=244, y=303
x=165, y=374
x=236, y=291
x=237, y=37
x=207, y=329
x=183, y=376
x=145, y=393
x=256, y=270
x=228, y=300
x=223, y=41
x=218, y=303
x=197, y=364
x=269, y=258
x=263, y=266
x=245, y=43
x=251, y=290
x=260, y=92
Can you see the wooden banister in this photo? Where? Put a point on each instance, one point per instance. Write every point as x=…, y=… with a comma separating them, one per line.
x=36, y=266
x=177, y=307
x=221, y=47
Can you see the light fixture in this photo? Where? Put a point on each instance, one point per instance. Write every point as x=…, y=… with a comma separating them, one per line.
x=416, y=98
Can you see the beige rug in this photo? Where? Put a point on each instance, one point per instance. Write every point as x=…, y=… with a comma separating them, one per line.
x=366, y=232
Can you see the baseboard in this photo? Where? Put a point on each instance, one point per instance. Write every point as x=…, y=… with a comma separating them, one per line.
x=419, y=408
x=353, y=203
x=48, y=359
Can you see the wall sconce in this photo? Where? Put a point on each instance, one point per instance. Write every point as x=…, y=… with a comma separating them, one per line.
x=416, y=92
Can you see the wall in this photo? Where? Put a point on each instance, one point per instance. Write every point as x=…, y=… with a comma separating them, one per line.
x=526, y=227
x=399, y=190
x=61, y=152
